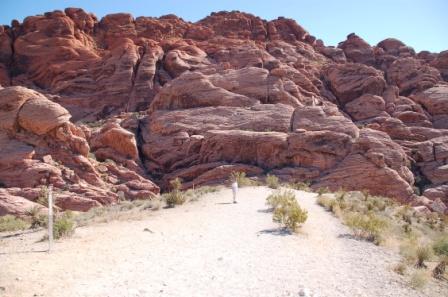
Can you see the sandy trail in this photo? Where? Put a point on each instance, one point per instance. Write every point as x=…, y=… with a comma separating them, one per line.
x=205, y=248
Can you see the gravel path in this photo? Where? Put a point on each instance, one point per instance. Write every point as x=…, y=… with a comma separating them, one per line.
x=206, y=248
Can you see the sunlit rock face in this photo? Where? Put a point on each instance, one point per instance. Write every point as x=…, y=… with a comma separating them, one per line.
x=115, y=108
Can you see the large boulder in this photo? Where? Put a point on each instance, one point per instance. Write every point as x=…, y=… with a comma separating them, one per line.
x=366, y=106
x=357, y=50
x=16, y=205
x=349, y=81
x=264, y=149
x=375, y=162
x=411, y=76
x=441, y=63
x=318, y=118
x=435, y=100
x=118, y=139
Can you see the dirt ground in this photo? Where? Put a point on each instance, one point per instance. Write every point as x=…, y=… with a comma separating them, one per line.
x=209, y=247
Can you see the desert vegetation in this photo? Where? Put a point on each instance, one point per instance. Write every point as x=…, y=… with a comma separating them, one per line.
x=176, y=196
x=11, y=223
x=420, y=237
x=241, y=178
x=272, y=181
x=286, y=210
x=300, y=186
x=66, y=222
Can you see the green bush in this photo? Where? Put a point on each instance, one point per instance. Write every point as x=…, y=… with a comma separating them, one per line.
x=176, y=196
x=64, y=226
x=272, y=181
x=367, y=226
x=11, y=223
x=286, y=209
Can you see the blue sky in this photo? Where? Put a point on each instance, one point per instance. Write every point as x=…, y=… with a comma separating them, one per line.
x=422, y=24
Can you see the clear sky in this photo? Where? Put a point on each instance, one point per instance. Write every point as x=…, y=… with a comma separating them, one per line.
x=422, y=24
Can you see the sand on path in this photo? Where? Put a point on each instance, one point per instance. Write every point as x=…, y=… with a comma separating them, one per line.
x=209, y=247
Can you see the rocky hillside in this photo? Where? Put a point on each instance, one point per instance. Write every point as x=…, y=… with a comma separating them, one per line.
x=114, y=108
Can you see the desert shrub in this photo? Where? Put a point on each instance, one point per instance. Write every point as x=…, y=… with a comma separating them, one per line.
x=272, y=181
x=341, y=199
x=37, y=218
x=127, y=205
x=326, y=202
x=176, y=196
x=423, y=253
x=286, y=209
x=405, y=214
x=43, y=196
x=365, y=194
x=408, y=250
x=322, y=191
x=400, y=268
x=375, y=203
x=301, y=186
x=11, y=223
x=367, y=226
x=156, y=204
x=335, y=205
x=241, y=178
x=440, y=248
x=419, y=279
x=276, y=198
x=64, y=226
x=336, y=210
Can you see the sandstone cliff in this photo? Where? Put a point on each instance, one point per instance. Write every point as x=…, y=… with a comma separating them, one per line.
x=114, y=108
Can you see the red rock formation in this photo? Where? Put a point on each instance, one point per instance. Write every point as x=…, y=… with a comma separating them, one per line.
x=102, y=108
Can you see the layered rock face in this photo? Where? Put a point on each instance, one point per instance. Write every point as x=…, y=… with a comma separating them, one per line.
x=115, y=108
